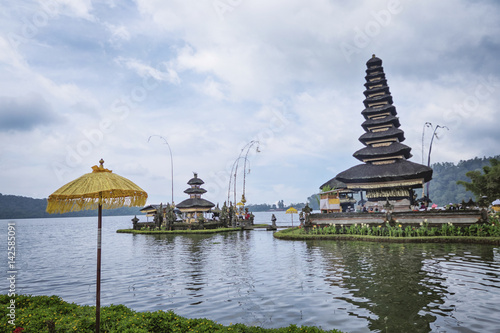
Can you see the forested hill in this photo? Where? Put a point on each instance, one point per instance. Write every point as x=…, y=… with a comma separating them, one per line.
x=443, y=186
x=17, y=207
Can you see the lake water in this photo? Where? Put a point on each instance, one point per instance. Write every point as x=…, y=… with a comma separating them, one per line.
x=252, y=278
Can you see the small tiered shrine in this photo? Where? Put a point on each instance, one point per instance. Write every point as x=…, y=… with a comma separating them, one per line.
x=386, y=174
x=194, y=208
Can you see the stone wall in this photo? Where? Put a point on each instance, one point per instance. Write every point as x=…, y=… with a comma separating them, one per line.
x=432, y=217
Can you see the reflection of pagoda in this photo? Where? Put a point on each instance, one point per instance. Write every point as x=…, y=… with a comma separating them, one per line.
x=386, y=173
x=194, y=207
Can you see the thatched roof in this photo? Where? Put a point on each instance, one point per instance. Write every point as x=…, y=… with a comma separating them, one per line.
x=195, y=180
x=372, y=173
x=376, y=99
x=195, y=203
x=376, y=122
x=381, y=81
x=374, y=75
x=374, y=61
x=195, y=190
x=390, y=133
x=334, y=184
x=379, y=109
x=375, y=90
x=393, y=149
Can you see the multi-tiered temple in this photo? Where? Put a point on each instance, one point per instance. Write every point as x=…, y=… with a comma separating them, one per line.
x=386, y=173
x=195, y=207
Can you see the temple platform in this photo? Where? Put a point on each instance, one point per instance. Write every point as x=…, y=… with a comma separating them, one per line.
x=432, y=217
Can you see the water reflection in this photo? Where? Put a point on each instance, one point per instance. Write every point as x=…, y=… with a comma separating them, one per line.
x=253, y=278
x=407, y=287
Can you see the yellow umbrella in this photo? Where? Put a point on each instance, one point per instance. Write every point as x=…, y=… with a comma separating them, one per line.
x=99, y=189
x=292, y=211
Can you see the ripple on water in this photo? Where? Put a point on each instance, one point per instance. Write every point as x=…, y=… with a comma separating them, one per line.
x=252, y=278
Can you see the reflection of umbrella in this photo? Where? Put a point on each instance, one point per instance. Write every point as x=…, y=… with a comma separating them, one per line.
x=98, y=189
x=292, y=211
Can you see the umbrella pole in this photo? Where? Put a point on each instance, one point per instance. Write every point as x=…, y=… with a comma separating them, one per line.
x=98, y=283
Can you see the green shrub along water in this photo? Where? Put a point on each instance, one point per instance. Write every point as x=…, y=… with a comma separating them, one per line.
x=37, y=314
x=399, y=230
x=395, y=229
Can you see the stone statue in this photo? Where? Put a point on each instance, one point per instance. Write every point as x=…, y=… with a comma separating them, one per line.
x=307, y=211
x=170, y=217
x=134, y=222
x=273, y=220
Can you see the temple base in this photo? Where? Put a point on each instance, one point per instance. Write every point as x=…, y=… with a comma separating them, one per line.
x=395, y=205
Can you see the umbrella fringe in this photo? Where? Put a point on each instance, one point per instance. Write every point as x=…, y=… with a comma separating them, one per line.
x=64, y=205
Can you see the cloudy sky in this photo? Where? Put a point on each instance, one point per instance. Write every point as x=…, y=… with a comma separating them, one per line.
x=85, y=80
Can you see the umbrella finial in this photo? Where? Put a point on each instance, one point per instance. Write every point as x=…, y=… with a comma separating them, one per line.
x=100, y=168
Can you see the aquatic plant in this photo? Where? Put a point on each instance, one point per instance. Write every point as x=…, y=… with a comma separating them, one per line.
x=52, y=314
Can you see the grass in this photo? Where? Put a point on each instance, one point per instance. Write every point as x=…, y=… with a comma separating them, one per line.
x=40, y=314
x=262, y=225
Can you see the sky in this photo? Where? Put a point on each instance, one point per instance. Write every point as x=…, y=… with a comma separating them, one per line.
x=271, y=89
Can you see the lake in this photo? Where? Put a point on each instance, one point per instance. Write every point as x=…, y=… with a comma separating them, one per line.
x=252, y=278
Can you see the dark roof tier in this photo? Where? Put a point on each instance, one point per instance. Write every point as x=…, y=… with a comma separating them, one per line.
x=375, y=77
x=378, y=110
x=195, y=180
x=382, y=121
x=195, y=190
x=195, y=203
x=394, y=149
x=378, y=99
x=375, y=70
x=370, y=84
x=373, y=61
x=375, y=136
x=380, y=173
x=383, y=89
x=334, y=184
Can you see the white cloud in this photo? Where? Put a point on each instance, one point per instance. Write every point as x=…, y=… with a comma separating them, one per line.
x=78, y=9
x=164, y=72
x=211, y=79
x=119, y=34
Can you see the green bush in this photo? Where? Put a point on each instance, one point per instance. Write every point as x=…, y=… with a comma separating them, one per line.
x=490, y=229
x=38, y=314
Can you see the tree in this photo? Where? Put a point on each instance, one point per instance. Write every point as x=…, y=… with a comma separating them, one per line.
x=485, y=186
x=281, y=204
x=313, y=201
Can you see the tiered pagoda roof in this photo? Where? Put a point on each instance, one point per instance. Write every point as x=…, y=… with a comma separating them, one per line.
x=384, y=157
x=195, y=201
